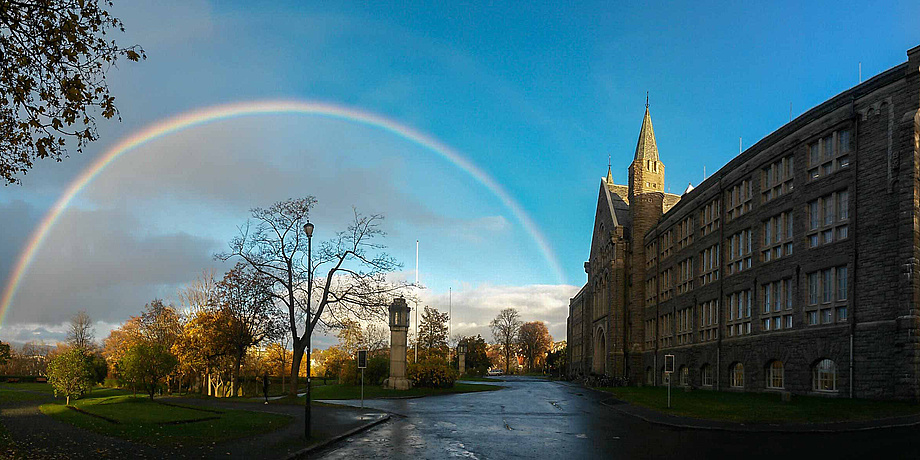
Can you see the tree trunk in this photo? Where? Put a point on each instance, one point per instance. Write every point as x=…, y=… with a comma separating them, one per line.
x=282, y=373
x=236, y=373
x=295, y=368
x=68, y=399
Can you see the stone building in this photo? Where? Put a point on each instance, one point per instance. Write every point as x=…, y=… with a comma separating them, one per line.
x=789, y=269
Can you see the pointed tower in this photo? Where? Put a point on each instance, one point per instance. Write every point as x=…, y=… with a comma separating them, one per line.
x=646, y=196
x=646, y=173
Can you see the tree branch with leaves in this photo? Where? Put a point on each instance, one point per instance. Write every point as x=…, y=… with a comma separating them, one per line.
x=54, y=56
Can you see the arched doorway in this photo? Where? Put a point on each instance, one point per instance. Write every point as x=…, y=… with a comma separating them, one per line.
x=600, y=352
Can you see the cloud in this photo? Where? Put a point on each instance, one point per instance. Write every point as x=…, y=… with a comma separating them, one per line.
x=18, y=219
x=50, y=334
x=104, y=261
x=474, y=307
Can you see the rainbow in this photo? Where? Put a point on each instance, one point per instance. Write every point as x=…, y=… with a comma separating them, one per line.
x=222, y=112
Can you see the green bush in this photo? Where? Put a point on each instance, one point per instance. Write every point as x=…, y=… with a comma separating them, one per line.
x=378, y=369
x=477, y=371
x=432, y=374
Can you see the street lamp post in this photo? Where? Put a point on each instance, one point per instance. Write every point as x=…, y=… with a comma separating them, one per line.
x=308, y=229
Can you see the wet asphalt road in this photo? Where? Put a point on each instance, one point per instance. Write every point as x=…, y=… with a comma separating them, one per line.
x=534, y=418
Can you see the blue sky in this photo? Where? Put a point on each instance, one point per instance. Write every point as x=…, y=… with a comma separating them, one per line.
x=536, y=96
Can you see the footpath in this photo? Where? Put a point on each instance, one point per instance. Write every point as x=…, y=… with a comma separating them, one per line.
x=38, y=436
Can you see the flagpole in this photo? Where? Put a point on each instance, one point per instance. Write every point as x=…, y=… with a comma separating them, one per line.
x=416, y=301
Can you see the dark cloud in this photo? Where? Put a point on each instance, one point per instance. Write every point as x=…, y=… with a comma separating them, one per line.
x=105, y=262
x=17, y=219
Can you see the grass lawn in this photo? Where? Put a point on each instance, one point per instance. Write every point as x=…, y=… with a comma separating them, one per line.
x=144, y=420
x=760, y=407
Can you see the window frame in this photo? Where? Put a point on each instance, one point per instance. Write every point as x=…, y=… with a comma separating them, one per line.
x=739, y=199
x=776, y=373
x=777, y=178
x=740, y=250
x=736, y=375
x=828, y=219
x=819, y=376
x=824, y=303
x=819, y=163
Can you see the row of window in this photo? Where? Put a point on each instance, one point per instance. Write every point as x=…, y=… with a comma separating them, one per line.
x=827, y=303
x=824, y=375
x=827, y=223
x=825, y=155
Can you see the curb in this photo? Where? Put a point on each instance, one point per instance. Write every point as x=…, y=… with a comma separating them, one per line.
x=305, y=452
x=742, y=428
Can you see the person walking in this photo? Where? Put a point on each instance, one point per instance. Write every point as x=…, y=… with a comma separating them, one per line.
x=265, y=386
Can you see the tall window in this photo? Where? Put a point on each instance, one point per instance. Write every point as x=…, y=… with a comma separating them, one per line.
x=651, y=255
x=828, y=218
x=777, y=179
x=737, y=375
x=685, y=275
x=828, y=154
x=667, y=241
x=684, y=376
x=776, y=311
x=824, y=376
x=739, y=313
x=706, y=372
x=650, y=334
x=738, y=199
x=651, y=290
x=685, y=233
x=775, y=373
x=777, y=237
x=685, y=326
x=827, y=296
x=665, y=286
x=709, y=264
x=740, y=246
x=709, y=320
x=709, y=217
x=665, y=332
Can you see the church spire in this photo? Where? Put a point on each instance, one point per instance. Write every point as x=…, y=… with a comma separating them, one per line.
x=609, y=172
x=646, y=149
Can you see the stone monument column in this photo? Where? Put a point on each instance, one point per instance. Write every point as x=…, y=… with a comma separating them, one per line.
x=399, y=330
x=461, y=351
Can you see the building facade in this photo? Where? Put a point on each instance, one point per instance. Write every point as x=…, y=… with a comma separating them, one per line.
x=792, y=268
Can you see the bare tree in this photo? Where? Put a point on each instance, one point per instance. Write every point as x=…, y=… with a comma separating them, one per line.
x=200, y=293
x=81, y=332
x=376, y=337
x=505, y=329
x=354, y=285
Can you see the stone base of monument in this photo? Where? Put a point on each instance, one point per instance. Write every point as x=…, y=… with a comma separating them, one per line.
x=394, y=383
